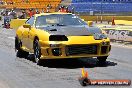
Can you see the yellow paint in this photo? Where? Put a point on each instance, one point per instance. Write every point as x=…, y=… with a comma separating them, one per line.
x=27, y=36
x=90, y=23
x=15, y=23
x=83, y=72
x=123, y=22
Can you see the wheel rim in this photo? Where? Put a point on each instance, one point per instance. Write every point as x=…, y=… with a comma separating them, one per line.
x=36, y=52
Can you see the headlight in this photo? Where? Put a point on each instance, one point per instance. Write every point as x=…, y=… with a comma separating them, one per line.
x=99, y=36
x=105, y=43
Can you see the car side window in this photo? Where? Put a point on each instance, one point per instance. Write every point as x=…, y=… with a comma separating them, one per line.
x=30, y=21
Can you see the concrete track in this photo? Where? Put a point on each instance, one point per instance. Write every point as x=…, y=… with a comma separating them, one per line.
x=23, y=73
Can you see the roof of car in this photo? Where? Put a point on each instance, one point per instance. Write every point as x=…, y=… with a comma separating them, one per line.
x=36, y=15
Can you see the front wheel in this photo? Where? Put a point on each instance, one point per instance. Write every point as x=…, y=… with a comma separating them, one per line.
x=102, y=60
x=37, y=52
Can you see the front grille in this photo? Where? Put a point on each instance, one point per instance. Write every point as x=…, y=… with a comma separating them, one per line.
x=104, y=49
x=81, y=49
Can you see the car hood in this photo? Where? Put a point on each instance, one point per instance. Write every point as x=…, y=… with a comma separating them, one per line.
x=67, y=30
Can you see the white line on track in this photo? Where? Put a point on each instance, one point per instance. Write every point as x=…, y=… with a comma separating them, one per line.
x=11, y=38
x=122, y=45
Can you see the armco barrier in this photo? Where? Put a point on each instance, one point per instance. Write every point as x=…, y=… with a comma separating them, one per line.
x=117, y=34
x=15, y=23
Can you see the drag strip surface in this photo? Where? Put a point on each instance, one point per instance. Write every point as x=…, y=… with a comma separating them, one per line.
x=22, y=73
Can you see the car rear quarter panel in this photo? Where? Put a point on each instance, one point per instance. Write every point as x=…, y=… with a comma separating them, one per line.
x=19, y=32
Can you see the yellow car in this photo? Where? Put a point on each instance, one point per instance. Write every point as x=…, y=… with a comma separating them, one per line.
x=60, y=35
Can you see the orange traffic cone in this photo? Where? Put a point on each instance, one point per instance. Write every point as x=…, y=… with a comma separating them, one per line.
x=84, y=74
x=113, y=21
x=84, y=80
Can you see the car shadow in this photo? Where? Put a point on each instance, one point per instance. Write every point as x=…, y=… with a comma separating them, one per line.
x=73, y=63
x=76, y=63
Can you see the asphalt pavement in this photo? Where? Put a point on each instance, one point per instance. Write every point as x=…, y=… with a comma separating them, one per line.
x=23, y=73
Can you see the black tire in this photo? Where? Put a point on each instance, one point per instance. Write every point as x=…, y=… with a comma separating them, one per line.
x=20, y=53
x=102, y=60
x=17, y=43
x=37, y=52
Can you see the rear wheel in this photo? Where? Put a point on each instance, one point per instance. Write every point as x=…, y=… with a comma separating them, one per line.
x=37, y=52
x=102, y=60
x=20, y=53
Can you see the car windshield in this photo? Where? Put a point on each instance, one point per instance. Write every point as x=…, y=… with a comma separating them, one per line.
x=94, y=30
x=58, y=20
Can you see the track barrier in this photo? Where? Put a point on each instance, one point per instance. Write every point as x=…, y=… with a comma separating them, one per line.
x=119, y=34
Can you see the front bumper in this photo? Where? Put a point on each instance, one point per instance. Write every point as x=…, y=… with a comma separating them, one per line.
x=75, y=51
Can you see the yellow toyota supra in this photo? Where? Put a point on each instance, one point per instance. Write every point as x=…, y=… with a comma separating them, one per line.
x=60, y=36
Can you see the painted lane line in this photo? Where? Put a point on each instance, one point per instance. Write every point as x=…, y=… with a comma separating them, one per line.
x=121, y=45
x=11, y=38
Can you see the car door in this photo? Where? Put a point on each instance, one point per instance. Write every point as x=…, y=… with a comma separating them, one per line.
x=31, y=38
x=25, y=40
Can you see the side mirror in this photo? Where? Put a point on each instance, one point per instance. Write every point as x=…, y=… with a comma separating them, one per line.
x=27, y=26
x=90, y=23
